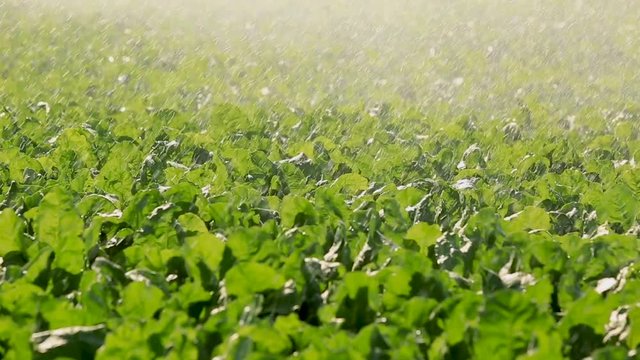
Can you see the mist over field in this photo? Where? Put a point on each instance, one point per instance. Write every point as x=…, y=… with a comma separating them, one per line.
x=434, y=55
x=320, y=179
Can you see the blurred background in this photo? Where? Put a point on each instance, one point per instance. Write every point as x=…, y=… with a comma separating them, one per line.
x=442, y=57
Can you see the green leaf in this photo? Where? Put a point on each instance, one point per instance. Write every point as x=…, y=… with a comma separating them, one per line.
x=464, y=316
x=140, y=301
x=59, y=225
x=77, y=140
x=70, y=342
x=192, y=223
x=610, y=353
x=634, y=334
x=508, y=324
x=267, y=339
x=16, y=338
x=129, y=340
x=12, y=235
x=618, y=204
x=199, y=244
x=350, y=183
x=20, y=299
x=246, y=242
x=424, y=235
x=230, y=118
x=590, y=310
x=115, y=175
x=250, y=278
x=140, y=207
x=297, y=211
x=530, y=218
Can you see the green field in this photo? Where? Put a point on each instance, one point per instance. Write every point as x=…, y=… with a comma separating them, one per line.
x=319, y=180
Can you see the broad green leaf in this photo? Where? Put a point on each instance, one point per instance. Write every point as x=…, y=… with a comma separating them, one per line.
x=249, y=278
x=21, y=299
x=350, y=183
x=199, y=243
x=508, y=323
x=297, y=211
x=140, y=301
x=59, y=225
x=16, y=339
x=267, y=339
x=465, y=316
x=590, y=310
x=531, y=218
x=12, y=234
x=634, y=332
x=116, y=174
x=191, y=223
x=424, y=235
x=129, y=340
x=246, y=242
x=618, y=204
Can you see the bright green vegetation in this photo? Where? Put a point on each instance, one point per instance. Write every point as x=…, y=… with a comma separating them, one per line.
x=354, y=195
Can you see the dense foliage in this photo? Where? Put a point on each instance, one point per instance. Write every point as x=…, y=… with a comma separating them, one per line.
x=141, y=218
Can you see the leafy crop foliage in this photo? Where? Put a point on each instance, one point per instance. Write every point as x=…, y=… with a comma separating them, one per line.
x=138, y=219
